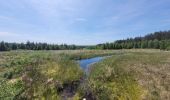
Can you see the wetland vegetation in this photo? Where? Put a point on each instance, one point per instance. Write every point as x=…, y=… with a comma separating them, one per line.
x=127, y=74
x=84, y=50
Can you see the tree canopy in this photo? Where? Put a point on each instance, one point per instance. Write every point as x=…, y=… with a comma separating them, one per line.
x=5, y=46
x=157, y=40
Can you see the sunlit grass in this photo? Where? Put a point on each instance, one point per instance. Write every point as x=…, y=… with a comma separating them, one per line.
x=133, y=75
x=41, y=72
x=109, y=80
x=128, y=74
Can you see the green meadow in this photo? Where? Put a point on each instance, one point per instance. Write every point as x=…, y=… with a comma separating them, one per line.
x=56, y=75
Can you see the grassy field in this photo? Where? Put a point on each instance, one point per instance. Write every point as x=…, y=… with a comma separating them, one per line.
x=126, y=75
x=132, y=75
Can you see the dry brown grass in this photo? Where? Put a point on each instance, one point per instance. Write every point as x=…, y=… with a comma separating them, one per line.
x=152, y=71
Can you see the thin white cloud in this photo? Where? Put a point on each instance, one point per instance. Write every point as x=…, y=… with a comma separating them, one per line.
x=5, y=34
x=5, y=18
x=18, y=37
x=81, y=19
x=52, y=8
x=94, y=20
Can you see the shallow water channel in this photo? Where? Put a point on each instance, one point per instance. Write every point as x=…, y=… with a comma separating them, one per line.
x=69, y=91
x=85, y=63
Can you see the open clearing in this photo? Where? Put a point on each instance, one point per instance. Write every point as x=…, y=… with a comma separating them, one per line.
x=127, y=75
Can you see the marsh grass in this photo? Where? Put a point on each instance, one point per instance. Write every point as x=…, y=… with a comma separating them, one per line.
x=132, y=75
x=128, y=74
x=40, y=74
x=108, y=80
x=34, y=69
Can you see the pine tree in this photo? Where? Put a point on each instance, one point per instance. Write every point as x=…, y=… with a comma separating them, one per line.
x=162, y=45
x=156, y=44
x=3, y=46
x=150, y=44
x=22, y=46
x=14, y=46
x=144, y=44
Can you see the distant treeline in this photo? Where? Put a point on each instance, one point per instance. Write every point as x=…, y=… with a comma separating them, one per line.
x=5, y=46
x=157, y=40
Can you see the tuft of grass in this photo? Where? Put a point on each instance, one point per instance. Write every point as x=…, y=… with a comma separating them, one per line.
x=10, y=90
x=107, y=80
x=39, y=72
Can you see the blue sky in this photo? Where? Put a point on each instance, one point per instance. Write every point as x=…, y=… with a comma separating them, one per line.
x=84, y=22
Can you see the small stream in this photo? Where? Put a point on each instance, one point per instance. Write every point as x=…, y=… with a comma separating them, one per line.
x=85, y=63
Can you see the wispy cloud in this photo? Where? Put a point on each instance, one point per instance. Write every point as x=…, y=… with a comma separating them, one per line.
x=5, y=18
x=6, y=34
x=81, y=21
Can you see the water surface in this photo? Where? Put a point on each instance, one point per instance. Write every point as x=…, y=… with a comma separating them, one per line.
x=85, y=63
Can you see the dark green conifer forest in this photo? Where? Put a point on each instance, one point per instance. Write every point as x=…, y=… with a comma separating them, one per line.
x=5, y=46
x=157, y=40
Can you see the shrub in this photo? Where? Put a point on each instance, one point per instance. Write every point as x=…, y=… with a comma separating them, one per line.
x=8, y=75
x=168, y=48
